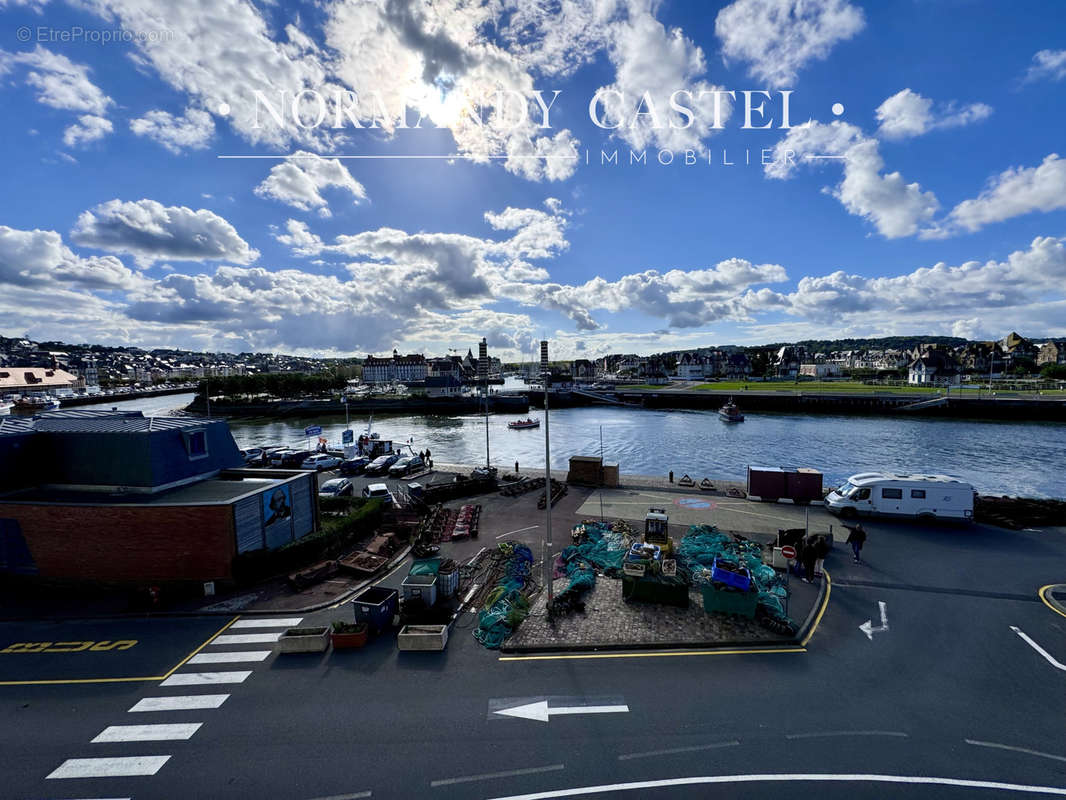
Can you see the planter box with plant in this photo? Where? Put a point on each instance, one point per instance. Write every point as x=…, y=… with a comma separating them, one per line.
x=348, y=635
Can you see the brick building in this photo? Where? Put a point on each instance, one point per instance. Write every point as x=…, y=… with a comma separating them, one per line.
x=122, y=498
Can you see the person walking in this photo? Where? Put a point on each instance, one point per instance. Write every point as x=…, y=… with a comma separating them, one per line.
x=808, y=555
x=516, y=468
x=857, y=538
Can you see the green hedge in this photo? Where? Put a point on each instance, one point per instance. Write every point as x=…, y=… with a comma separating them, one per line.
x=331, y=504
x=335, y=536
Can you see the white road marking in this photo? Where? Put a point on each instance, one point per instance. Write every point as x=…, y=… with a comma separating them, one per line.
x=541, y=712
x=355, y=796
x=491, y=775
x=190, y=702
x=283, y=622
x=147, y=733
x=919, y=780
x=1050, y=659
x=199, y=678
x=520, y=530
x=109, y=767
x=1025, y=750
x=820, y=734
x=227, y=658
x=671, y=751
x=247, y=638
x=868, y=626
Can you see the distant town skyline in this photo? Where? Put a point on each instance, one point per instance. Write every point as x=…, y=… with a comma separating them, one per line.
x=629, y=176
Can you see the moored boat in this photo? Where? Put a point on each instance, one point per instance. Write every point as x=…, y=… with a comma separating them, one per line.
x=521, y=424
x=730, y=412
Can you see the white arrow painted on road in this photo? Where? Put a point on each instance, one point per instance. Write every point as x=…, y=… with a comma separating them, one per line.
x=540, y=710
x=868, y=626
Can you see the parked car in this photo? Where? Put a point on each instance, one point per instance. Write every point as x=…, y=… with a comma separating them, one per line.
x=338, y=487
x=354, y=466
x=400, y=467
x=294, y=458
x=381, y=464
x=379, y=491
x=320, y=461
x=253, y=455
x=278, y=456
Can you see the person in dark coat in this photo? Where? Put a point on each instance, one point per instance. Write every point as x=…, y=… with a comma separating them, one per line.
x=857, y=538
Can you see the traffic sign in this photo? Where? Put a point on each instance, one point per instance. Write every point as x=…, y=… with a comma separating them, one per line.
x=347, y=437
x=312, y=430
x=788, y=552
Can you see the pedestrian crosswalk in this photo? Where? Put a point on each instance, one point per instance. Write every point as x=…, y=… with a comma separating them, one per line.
x=147, y=733
x=187, y=676
x=191, y=702
x=234, y=657
x=109, y=767
x=197, y=678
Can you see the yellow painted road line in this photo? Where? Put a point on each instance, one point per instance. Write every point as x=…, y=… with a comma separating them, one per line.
x=658, y=654
x=821, y=611
x=1043, y=597
x=206, y=642
x=139, y=679
x=81, y=680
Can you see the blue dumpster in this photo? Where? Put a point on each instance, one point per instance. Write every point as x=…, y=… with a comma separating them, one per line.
x=376, y=606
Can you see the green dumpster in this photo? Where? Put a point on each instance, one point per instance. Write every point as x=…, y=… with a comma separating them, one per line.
x=724, y=601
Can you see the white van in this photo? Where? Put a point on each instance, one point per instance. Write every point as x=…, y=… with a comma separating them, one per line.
x=903, y=495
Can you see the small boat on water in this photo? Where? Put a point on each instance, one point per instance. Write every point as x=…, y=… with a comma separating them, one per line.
x=730, y=412
x=37, y=402
x=5, y=407
x=522, y=424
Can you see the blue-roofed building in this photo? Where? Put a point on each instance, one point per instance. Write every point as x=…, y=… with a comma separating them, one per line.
x=116, y=496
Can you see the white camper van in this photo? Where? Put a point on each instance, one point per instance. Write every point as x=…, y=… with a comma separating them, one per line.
x=901, y=495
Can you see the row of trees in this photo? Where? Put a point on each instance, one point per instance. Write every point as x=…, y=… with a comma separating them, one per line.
x=275, y=384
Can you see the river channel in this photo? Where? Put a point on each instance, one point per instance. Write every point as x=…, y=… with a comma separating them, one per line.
x=1018, y=458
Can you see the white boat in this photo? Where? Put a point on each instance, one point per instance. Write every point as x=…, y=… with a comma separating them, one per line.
x=730, y=412
x=5, y=407
x=522, y=424
x=37, y=402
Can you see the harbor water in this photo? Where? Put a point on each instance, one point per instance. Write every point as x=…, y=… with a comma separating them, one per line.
x=1016, y=458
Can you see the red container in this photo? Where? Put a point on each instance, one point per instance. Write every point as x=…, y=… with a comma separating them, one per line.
x=767, y=483
x=349, y=641
x=804, y=485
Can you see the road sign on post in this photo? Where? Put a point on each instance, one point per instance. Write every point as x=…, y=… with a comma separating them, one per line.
x=788, y=552
x=312, y=430
x=347, y=437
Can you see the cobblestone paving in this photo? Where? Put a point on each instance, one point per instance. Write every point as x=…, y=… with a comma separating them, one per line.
x=609, y=621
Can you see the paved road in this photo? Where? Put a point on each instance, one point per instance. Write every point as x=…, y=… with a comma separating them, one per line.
x=950, y=690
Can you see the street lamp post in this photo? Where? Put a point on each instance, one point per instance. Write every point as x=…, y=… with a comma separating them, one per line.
x=548, y=565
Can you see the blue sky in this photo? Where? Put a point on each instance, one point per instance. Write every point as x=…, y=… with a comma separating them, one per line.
x=942, y=211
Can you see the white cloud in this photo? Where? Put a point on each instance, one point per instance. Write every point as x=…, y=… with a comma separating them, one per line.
x=151, y=231
x=201, y=58
x=300, y=180
x=651, y=64
x=896, y=208
x=60, y=82
x=192, y=130
x=1016, y=191
x=779, y=37
x=907, y=114
x=300, y=239
x=88, y=128
x=558, y=37
x=38, y=258
x=1049, y=64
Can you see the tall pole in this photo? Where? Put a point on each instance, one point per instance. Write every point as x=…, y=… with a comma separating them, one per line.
x=207, y=395
x=486, y=385
x=548, y=565
x=601, y=473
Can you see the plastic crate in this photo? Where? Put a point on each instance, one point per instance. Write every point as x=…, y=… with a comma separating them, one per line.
x=739, y=579
x=448, y=582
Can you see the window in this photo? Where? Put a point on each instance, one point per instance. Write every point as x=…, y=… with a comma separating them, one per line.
x=195, y=444
x=918, y=494
x=862, y=494
x=892, y=494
